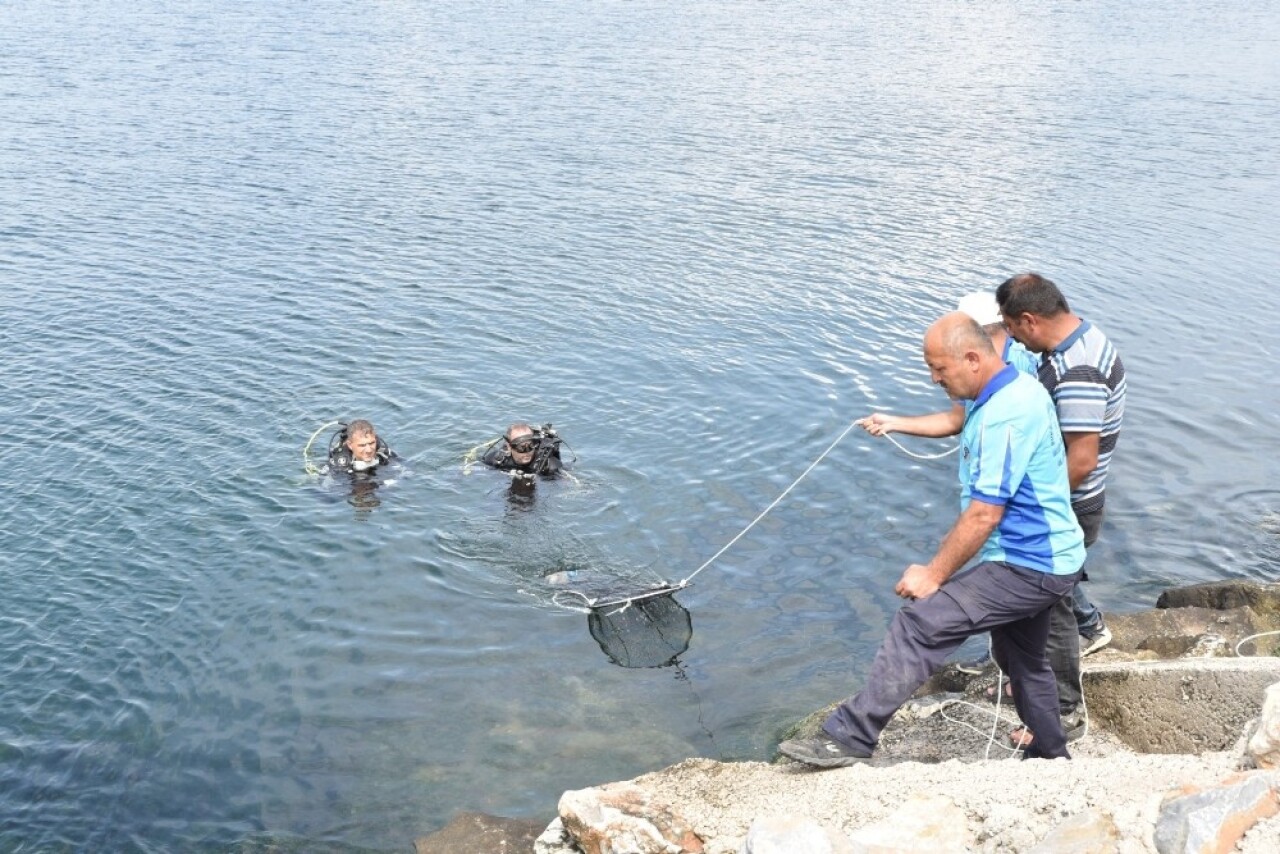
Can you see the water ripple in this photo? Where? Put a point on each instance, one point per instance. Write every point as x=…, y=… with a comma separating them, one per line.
x=700, y=240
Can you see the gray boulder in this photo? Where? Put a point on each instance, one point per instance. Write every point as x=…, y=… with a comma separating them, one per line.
x=1215, y=819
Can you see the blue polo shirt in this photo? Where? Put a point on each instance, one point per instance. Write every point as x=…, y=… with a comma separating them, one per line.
x=1012, y=456
x=1020, y=357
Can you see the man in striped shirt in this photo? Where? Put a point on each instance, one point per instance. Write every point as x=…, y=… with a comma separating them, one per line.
x=1084, y=375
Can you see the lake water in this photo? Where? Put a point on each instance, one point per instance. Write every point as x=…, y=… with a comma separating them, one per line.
x=698, y=238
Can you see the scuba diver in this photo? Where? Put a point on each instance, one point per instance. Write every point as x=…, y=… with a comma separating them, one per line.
x=526, y=452
x=356, y=448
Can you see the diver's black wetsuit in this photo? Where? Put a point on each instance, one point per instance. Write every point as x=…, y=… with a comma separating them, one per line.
x=546, y=459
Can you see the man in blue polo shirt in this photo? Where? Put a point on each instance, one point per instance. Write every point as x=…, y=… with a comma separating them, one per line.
x=1016, y=518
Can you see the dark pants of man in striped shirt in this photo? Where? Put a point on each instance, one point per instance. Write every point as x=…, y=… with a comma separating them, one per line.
x=1063, y=645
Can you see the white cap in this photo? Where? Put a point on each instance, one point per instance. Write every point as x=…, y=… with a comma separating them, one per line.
x=981, y=306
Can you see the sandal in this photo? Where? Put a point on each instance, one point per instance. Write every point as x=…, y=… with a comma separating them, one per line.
x=1008, y=691
x=1021, y=738
x=1073, y=727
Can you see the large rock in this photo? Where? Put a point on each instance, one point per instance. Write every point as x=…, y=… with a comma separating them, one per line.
x=793, y=834
x=622, y=818
x=478, y=833
x=1212, y=821
x=1264, y=599
x=1193, y=708
x=1090, y=832
x=922, y=825
x=555, y=840
x=1263, y=748
x=1192, y=631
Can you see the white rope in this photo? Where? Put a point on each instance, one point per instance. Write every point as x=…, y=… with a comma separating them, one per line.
x=991, y=738
x=919, y=456
x=775, y=503
x=555, y=600
x=997, y=717
x=683, y=583
x=995, y=722
x=1243, y=641
x=625, y=601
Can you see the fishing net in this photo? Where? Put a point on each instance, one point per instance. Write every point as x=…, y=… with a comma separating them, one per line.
x=650, y=632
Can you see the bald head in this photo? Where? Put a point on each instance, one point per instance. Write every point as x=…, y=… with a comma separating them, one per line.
x=960, y=357
x=520, y=442
x=956, y=332
x=518, y=430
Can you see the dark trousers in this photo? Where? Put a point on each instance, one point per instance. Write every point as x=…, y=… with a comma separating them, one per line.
x=1064, y=633
x=1010, y=602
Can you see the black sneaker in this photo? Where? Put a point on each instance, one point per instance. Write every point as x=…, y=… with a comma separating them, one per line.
x=1091, y=643
x=1074, y=725
x=822, y=751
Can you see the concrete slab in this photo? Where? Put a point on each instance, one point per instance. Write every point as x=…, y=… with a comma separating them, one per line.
x=1179, y=706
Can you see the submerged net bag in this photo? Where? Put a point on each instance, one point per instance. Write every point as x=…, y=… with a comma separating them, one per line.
x=650, y=632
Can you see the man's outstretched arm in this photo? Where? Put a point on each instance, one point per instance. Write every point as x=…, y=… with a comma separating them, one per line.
x=935, y=425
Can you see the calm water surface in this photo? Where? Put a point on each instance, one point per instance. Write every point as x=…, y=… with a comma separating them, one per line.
x=699, y=238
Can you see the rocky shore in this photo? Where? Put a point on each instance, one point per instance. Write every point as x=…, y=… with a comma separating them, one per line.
x=1182, y=754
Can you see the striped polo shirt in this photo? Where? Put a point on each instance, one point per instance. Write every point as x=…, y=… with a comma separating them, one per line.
x=1085, y=377
x=1012, y=456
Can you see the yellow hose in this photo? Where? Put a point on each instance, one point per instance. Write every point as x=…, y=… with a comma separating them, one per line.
x=469, y=458
x=306, y=449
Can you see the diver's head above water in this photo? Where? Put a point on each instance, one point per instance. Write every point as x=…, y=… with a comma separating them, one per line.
x=521, y=444
x=526, y=450
x=362, y=441
x=357, y=448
